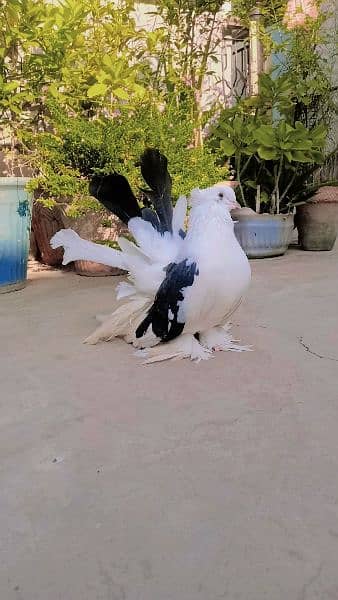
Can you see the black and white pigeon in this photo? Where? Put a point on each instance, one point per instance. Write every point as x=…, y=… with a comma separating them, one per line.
x=184, y=283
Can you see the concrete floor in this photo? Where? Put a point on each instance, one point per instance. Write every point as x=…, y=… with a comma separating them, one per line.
x=174, y=481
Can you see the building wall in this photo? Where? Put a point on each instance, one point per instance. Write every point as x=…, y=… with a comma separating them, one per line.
x=219, y=85
x=330, y=52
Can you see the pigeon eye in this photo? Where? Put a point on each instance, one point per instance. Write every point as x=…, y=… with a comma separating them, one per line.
x=220, y=195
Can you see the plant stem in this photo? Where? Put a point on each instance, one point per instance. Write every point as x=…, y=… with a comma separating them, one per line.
x=244, y=168
x=204, y=62
x=238, y=171
x=275, y=193
x=258, y=200
x=288, y=187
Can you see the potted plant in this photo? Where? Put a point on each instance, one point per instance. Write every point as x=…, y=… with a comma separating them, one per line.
x=70, y=55
x=316, y=216
x=273, y=157
x=317, y=220
x=60, y=159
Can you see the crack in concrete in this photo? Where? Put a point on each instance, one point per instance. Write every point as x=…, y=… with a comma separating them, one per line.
x=310, y=582
x=308, y=349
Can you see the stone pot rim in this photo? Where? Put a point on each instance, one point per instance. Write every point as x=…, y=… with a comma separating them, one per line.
x=327, y=194
x=237, y=215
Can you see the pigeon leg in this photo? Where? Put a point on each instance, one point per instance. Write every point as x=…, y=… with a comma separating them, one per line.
x=184, y=346
x=219, y=338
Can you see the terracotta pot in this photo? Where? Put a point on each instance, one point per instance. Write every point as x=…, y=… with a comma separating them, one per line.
x=317, y=220
x=93, y=269
x=262, y=236
x=45, y=223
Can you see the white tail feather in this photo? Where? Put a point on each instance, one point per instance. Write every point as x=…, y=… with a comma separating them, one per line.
x=159, y=247
x=123, y=322
x=146, y=274
x=124, y=290
x=102, y=318
x=179, y=214
x=75, y=248
x=131, y=250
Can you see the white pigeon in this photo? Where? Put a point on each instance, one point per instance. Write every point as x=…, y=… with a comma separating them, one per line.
x=183, y=286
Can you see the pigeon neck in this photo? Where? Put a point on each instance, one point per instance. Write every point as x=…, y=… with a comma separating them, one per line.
x=208, y=227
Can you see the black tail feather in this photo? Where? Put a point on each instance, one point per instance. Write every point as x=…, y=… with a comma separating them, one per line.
x=150, y=215
x=114, y=192
x=155, y=173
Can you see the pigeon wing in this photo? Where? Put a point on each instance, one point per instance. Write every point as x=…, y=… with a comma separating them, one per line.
x=165, y=316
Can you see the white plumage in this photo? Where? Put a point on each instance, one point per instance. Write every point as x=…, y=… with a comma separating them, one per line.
x=181, y=290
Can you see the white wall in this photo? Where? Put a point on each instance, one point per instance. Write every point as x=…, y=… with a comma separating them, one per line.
x=217, y=86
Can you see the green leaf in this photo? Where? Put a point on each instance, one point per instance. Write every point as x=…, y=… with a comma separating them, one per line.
x=299, y=156
x=11, y=86
x=107, y=61
x=53, y=90
x=317, y=157
x=265, y=135
x=267, y=153
x=237, y=125
x=228, y=147
x=319, y=135
x=121, y=93
x=15, y=109
x=98, y=89
x=301, y=144
x=251, y=184
x=249, y=150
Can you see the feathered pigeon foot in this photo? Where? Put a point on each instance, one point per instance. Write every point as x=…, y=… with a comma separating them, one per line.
x=219, y=338
x=184, y=346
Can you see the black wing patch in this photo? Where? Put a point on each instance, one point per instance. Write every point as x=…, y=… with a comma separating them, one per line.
x=163, y=313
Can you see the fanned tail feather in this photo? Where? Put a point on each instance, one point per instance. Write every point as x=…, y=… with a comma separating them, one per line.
x=155, y=173
x=115, y=193
x=76, y=248
x=122, y=322
x=179, y=216
x=150, y=215
x=124, y=290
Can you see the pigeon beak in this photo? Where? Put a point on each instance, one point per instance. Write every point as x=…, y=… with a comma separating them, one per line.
x=233, y=205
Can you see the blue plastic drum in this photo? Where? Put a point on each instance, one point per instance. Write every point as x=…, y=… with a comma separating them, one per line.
x=15, y=224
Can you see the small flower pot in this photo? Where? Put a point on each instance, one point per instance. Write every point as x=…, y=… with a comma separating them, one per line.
x=93, y=269
x=317, y=220
x=15, y=223
x=262, y=236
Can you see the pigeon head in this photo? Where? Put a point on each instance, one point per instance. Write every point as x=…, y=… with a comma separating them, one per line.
x=218, y=200
x=226, y=195
x=220, y=193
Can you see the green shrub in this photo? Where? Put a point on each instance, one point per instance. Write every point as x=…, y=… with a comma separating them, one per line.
x=78, y=148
